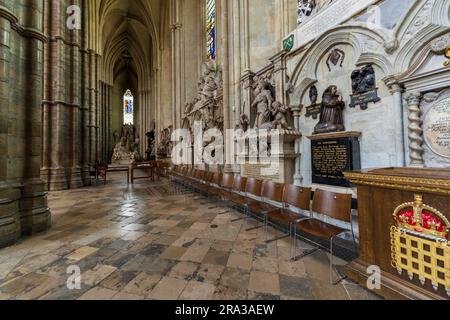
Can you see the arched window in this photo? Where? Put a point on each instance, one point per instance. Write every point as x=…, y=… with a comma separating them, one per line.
x=128, y=108
x=211, y=29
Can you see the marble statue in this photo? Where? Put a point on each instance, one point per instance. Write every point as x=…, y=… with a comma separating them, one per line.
x=243, y=123
x=151, y=139
x=331, y=113
x=165, y=145
x=280, y=113
x=126, y=149
x=262, y=103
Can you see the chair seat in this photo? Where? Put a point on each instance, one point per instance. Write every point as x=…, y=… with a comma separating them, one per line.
x=213, y=191
x=285, y=215
x=319, y=229
x=240, y=200
x=261, y=207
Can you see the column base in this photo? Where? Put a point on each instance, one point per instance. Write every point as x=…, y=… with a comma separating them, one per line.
x=9, y=216
x=35, y=215
x=57, y=179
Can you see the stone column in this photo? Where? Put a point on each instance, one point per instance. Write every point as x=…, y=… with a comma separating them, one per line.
x=297, y=110
x=279, y=75
x=9, y=196
x=247, y=94
x=396, y=91
x=416, y=139
x=176, y=27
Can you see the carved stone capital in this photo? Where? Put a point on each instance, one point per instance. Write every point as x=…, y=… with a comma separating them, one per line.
x=297, y=110
x=413, y=98
x=393, y=84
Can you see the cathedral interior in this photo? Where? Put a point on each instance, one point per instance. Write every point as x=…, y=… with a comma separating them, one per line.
x=224, y=150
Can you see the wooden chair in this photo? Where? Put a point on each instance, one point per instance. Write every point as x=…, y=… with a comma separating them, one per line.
x=296, y=197
x=332, y=205
x=271, y=191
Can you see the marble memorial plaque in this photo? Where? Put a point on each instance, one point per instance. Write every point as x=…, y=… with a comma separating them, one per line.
x=437, y=128
x=331, y=157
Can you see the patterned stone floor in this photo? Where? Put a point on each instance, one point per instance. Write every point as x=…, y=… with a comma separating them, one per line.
x=151, y=242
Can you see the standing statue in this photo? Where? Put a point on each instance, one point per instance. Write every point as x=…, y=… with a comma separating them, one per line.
x=151, y=138
x=331, y=113
x=263, y=103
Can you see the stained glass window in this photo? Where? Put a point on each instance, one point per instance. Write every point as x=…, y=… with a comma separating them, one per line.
x=128, y=108
x=211, y=29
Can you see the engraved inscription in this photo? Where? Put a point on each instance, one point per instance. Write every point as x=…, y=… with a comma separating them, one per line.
x=437, y=128
x=330, y=159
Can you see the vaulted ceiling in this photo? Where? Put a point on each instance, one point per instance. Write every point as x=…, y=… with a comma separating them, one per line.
x=129, y=36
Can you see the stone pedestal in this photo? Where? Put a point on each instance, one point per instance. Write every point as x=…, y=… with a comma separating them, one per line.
x=332, y=154
x=279, y=166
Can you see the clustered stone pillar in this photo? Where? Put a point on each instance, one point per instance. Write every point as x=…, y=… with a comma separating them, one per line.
x=23, y=202
x=69, y=101
x=297, y=111
x=416, y=139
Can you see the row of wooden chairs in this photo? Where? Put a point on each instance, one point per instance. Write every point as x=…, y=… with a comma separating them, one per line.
x=275, y=203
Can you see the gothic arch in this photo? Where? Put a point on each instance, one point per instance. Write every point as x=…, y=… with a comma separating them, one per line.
x=304, y=74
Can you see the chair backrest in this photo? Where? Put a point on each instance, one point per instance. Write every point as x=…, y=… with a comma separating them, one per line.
x=335, y=205
x=273, y=191
x=227, y=181
x=217, y=180
x=189, y=172
x=240, y=183
x=254, y=187
x=209, y=177
x=201, y=175
x=297, y=197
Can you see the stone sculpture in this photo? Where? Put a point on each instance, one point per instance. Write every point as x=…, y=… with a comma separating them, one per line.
x=243, y=123
x=207, y=106
x=336, y=55
x=364, y=87
x=151, y=139
x=331, y=113
x=126, y=149
x=270, y=114
x=262, y=103
x=165, y=144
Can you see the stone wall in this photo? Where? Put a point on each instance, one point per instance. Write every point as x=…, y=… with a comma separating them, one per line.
x=23, y=201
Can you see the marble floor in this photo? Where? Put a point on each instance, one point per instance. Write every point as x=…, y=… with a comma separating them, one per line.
x=150, y=241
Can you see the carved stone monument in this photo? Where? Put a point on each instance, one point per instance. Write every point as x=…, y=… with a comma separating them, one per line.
x=165, y=144
x=274, y=120
x=331, y=112
x=364, y=88
x=126, y=150
x=151, y=140
x=314, y=109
